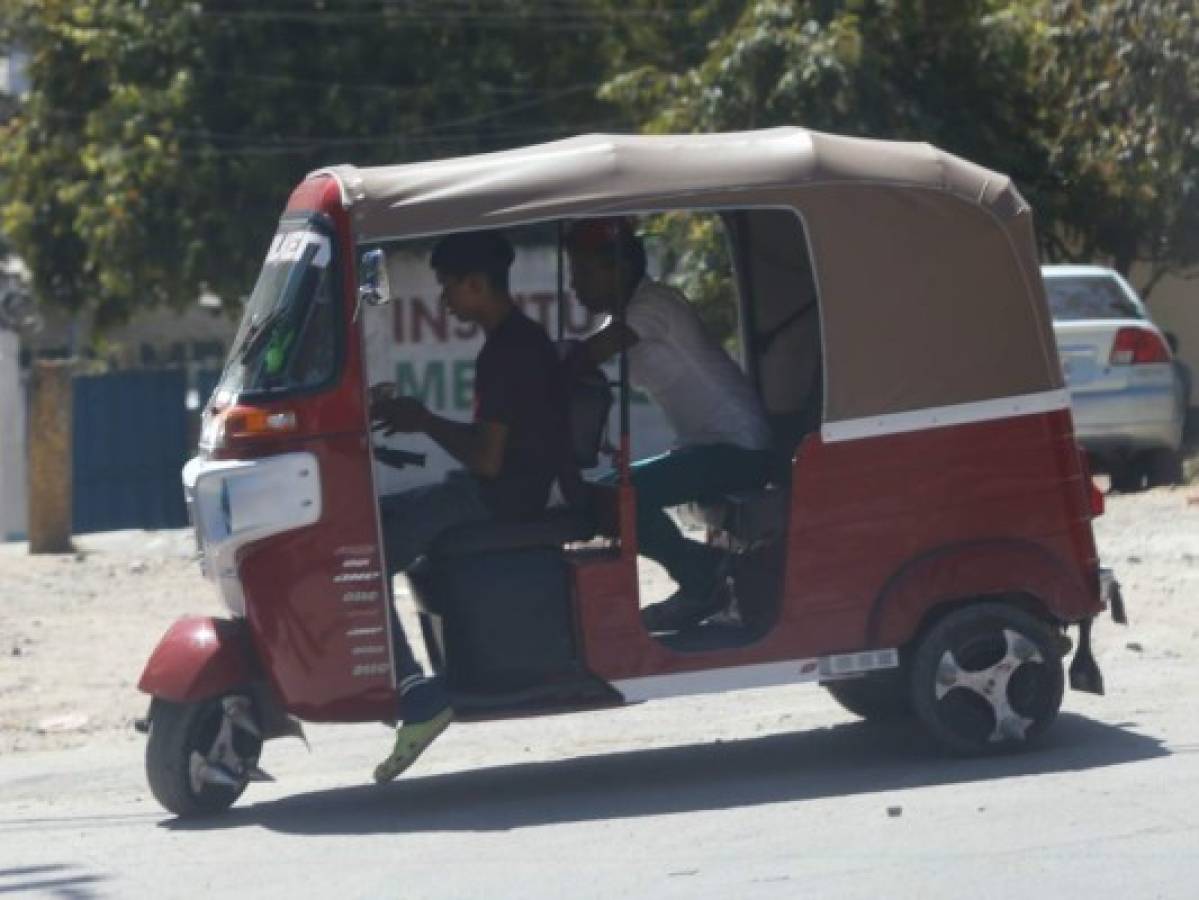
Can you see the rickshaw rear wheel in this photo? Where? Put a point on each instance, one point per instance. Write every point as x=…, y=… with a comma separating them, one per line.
x=1127, y=476
x=877, y=697
x=183, y=738
x=1163, y=468
x=987, y=679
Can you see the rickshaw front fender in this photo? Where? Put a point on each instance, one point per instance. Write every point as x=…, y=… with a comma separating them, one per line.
x=198, y=658
x=973, y=570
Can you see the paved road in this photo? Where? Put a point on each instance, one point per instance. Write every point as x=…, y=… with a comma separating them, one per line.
x=761, y=794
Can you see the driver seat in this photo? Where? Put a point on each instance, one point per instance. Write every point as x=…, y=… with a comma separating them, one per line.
x=495, y=597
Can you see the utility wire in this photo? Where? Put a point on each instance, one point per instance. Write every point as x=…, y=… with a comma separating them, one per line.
x=381, y=87
x=449, y=128
x=564, y=19
x=400, y=142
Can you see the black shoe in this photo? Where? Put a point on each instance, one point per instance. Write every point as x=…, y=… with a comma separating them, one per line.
x=682, y=609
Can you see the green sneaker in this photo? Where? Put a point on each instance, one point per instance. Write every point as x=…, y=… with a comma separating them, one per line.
x=411, y=741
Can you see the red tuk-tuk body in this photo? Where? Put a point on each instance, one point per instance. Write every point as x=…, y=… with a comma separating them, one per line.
x=307, y=644
x=937, y=514
x=856, y=525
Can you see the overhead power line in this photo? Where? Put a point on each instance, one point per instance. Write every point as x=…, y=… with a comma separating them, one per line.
x=436, y=130
x=382, y=87
x=400, y=142
x=565, y=19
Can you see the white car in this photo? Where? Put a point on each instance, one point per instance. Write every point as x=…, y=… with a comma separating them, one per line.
x=1128, y=395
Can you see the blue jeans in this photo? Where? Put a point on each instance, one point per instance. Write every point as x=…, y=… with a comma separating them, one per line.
x=683, y=476
x=411, y=521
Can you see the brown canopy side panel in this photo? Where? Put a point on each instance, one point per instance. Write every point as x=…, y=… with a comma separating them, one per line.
x=927, y=301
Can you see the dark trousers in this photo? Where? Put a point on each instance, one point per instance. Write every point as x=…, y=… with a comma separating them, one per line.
x=683, y=476
x=411, y=521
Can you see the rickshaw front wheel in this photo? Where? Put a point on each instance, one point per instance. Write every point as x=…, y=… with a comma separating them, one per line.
x=198, y=758
x=987, y=678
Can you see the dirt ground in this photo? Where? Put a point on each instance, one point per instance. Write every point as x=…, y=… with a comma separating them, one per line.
x=75, y=630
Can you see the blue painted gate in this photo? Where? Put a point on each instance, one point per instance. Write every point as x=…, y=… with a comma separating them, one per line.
x=130, y=442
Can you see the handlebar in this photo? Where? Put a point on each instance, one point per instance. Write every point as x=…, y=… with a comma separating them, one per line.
x=397, y=458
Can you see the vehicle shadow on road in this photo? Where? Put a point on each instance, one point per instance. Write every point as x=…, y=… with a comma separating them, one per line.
x=58, y=880
x=843, y=760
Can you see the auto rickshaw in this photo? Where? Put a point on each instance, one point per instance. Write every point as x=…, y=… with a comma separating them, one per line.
x=923, y=550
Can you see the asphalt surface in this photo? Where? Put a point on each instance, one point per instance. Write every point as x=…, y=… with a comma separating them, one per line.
x=791, y=800
x=771, y=793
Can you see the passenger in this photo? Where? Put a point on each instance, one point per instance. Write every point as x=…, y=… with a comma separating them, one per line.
x=507, y=452
x=722, y=435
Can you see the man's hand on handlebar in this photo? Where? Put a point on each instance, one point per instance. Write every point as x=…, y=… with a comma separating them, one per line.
x=391, y=414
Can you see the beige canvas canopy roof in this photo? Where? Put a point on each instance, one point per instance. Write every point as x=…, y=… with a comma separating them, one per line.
x=926, y=268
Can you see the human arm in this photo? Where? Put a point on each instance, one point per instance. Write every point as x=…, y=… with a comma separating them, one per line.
x=648, y=318
x=600, y=347
x=479, y=446
x=608, y=341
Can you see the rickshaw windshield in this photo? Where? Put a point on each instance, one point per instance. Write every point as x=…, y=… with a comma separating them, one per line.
x=288, y=337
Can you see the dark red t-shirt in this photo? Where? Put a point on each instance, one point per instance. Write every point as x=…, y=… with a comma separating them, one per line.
x=518, y=384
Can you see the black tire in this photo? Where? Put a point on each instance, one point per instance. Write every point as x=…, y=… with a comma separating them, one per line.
x=176, y=731
x=1163, y=468
x=977, y=664
x=877, y=697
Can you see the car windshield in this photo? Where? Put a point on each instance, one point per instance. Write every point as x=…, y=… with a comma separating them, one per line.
x=1089, y=297
x=288, y=335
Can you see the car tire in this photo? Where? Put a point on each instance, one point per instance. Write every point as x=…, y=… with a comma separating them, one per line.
x=1163, y=468
x=987, y=679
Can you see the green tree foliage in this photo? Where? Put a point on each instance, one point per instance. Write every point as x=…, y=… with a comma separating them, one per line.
x=1093, y=107
x=951, y=72
x=938, y=70
x=1121, y=98
x=161, y=138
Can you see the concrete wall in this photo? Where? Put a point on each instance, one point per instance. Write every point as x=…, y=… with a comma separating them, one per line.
x=161, y=337
x=13, y=462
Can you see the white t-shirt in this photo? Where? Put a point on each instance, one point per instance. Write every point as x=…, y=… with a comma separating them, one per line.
x=704, y=394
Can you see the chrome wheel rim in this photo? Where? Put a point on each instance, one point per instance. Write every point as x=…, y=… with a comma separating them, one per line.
x=988, y=688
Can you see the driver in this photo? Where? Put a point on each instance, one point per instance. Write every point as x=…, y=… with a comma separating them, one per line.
x=509, y=453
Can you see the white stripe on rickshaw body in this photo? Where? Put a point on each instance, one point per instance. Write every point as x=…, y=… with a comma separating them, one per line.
x=732, y=678
x=945, y=416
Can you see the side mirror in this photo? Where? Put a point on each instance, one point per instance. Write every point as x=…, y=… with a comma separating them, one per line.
x=374, y=288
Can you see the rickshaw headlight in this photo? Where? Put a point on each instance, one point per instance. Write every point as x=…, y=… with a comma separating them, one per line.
x=240, y=422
